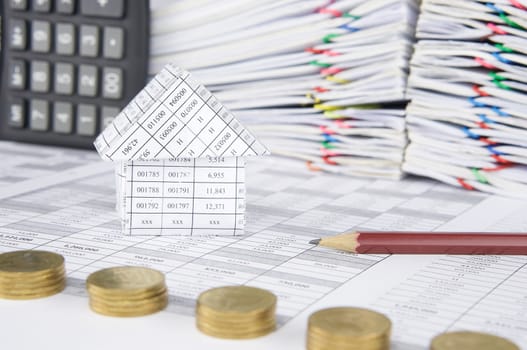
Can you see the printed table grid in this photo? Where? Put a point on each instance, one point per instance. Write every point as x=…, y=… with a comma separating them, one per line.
x=192, y=139
x=196, y=204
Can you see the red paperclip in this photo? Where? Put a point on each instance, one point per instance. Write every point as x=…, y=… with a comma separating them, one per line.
x=342, y=124
x=312, y=167
x=325, y=130
x=484, y=63
x=517, y=4
x=496, y=29
x=497, y=168
x=320, y=89
x=487, y=141
x=327, y=152
x=333, y=12
x=313, y=50
x=327, y=160
x=500, y=160
x=478, y=90
x=464, y=184
x=331, y=70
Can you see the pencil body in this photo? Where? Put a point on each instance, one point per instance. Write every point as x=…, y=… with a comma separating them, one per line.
x=429, y=243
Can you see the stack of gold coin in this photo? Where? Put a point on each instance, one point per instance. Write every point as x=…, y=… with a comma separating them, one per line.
x=464, y=340
x=31, y=274
x=236, y=312
x=347, y=328
x=127, y=291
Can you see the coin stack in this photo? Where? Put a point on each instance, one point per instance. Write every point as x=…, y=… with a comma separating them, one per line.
x=31, y=274
x=127, y=291
x=236, y=312
x=471, y=341
x=348, y=328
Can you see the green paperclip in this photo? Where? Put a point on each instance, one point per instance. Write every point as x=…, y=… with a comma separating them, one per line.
x=501, y=85
x=349, y=15
x=478, y=176
x=503, y=48
x=328, y=145
x=510, y=22
x=320, y=64
x=496, y=76
x=327, y=38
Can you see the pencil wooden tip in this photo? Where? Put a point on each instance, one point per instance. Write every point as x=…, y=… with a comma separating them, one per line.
x=315, y=241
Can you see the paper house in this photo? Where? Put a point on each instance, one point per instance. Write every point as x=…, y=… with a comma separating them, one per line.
x=180, y=160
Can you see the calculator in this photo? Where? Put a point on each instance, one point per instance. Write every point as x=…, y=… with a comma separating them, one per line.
x=69, y=66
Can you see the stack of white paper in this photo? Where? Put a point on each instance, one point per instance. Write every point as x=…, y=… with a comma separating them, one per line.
x=467, y=120
x=315, y=80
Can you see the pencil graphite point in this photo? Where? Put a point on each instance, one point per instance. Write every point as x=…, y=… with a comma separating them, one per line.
x=315, y=241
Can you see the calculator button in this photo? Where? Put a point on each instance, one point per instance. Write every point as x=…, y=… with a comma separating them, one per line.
x=40, y=36
x=65, y=38
x=113, y=42
x=18, y=4
x=87, y=80
x=89, y=41
x=38, y=115
x=17, y=112
x=17, y=74
x=65, y=6
x=102, y=8
x=17, y=34
x=40, y=76
x=42, y=5
x=62, y=117
x=64, y=78
x=108, y=114
x=112, y=83
x=86, y=120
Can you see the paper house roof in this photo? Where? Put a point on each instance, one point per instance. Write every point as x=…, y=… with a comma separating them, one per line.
x=175, y=117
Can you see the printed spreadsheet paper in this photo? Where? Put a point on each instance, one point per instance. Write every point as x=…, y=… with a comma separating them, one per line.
x=175, y=117
x=180, y=160
x=62, y=201
x=195, y=196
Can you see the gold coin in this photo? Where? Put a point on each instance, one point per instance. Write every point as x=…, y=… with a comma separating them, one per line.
x=143, y=308
x=30, y=274
x=349, y=322
x=24, y=262
x=236, y=312
x=471, y=341
x=125, y=280
x=237, y=335
x=125, y=302
x=127, y=291
x=348, y=328
x=33, y=293
x=237, y=300
x=115, y=296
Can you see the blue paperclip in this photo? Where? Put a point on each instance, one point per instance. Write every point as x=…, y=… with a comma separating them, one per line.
x=493, y=151
x=476, y=103
x=349, y=28
x=494, y=7
x=501, y=58
x=470, y=133
x=329, y=138
x=500, y=112
x=484, y=119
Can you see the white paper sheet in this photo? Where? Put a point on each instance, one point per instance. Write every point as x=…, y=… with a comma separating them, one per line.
x=287, y=206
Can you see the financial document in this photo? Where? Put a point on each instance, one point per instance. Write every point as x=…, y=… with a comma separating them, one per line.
x=180, y=160
x=69, y=209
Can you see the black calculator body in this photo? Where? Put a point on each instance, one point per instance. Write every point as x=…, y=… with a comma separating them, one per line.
x=69, y=66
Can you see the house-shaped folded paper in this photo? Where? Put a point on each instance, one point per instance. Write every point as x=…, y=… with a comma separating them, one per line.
x=180, y=160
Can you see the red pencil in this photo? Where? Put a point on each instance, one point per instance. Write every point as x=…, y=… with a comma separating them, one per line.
x=428, y=243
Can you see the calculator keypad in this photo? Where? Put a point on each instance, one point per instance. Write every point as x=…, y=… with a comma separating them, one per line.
x=66, y=69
